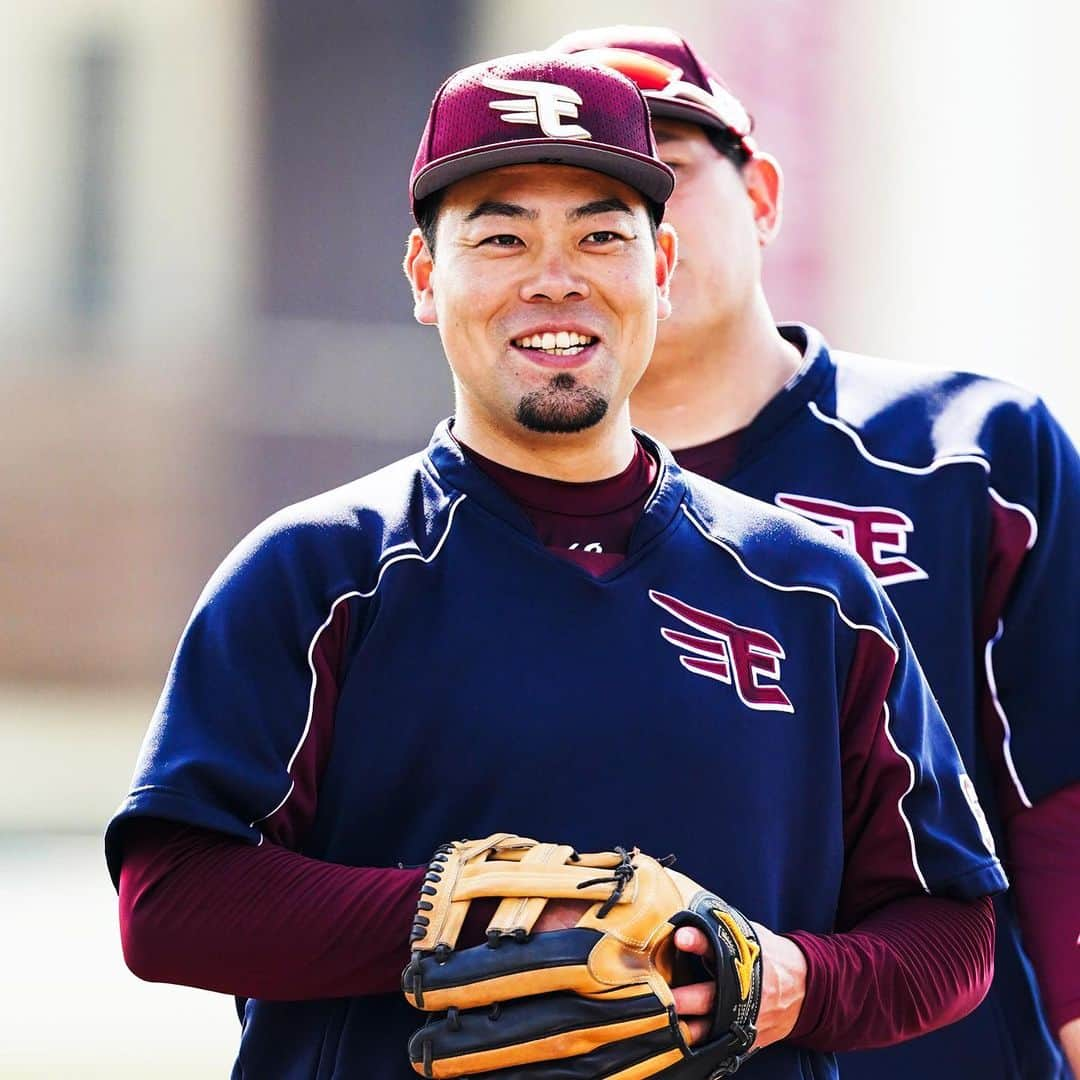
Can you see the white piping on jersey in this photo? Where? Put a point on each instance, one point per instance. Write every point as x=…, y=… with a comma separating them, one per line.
x=399, y=552
x=855, y=626
x=988, y=658
x=924, y=470
x=912, y=470
x=1006, y=741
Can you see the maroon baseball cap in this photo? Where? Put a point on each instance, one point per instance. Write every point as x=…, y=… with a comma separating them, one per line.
x=539, y=108
x=674, y=80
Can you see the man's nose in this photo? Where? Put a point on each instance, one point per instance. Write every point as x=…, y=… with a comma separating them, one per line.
x=554, y=280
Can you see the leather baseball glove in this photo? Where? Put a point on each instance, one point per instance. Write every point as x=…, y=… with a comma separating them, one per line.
x=589, y=1002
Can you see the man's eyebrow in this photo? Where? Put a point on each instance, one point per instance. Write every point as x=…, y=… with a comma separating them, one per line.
x=600, y=206
x=499, y=209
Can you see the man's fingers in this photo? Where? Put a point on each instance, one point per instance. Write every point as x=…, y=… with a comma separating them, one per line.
x=698, y=1029
x=692, y=941
x=696, y=999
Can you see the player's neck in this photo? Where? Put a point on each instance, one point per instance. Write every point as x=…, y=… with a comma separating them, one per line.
x=596, y=454
x=697, y=389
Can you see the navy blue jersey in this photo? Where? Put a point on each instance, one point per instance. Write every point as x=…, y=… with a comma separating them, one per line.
x=963, y=495
x=483, y=683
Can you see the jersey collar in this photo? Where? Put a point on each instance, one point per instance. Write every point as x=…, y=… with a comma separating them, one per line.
x=452, y=469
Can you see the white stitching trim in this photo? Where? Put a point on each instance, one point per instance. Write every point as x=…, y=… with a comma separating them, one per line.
x=1006, y=740
x=896, y=466
x=855, y=626
x=988, y=657
x=408, y=550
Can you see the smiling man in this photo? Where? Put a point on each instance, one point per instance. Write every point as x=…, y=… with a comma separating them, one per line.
x=540, y=624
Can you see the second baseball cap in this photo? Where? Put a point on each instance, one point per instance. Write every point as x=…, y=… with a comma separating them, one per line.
x=673, y=78
x=539, y=108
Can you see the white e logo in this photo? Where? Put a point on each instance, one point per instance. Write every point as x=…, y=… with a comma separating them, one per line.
x=540, y=103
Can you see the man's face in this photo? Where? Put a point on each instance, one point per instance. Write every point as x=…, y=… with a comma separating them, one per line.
x=546, y=286
x=723, y=216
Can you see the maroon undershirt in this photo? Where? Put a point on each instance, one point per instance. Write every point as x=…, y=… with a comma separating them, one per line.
x=588, y=524
x=201, y=909
x=713, y=459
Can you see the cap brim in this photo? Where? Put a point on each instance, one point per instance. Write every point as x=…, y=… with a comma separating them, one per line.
x=692, y=114
x=652, y=178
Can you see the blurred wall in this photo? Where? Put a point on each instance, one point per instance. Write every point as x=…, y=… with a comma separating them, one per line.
x=126, y=211
x=341, y=379
x=125, y=285
x=954, y=162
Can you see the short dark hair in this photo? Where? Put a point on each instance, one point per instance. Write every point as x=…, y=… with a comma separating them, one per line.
x=426, y=213
x=728, y=145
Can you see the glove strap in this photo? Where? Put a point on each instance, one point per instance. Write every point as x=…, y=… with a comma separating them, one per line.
x=738, y=979
x=520, y=913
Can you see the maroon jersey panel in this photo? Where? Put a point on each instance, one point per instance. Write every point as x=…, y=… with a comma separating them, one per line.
x=288, y=823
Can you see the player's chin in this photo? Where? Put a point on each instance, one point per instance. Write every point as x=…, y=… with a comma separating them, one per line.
x=563, y=407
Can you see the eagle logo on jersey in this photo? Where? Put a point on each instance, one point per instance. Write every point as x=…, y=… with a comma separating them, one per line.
x=741, y=656
x=541, y=103
x=878, y=534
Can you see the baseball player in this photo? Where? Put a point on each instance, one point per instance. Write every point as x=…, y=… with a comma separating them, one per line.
x=961, y=493
x=541, y=624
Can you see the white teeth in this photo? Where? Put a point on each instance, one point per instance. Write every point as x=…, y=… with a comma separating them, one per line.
x=560, y=343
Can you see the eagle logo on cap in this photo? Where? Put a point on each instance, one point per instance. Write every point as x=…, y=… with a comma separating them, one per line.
x=541, y=103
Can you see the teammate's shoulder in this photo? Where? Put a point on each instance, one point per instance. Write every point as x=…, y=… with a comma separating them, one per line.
x=914, y=415
x=780, y=548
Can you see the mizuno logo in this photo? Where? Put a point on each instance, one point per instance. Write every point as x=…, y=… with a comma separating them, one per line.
x=877, y=533
x=748, y=952
x=540, y=103
x=744, y=658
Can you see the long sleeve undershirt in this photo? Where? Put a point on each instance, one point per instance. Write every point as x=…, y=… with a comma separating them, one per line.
x=204, y=910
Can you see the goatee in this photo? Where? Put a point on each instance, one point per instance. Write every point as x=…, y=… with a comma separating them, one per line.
x=562, y=407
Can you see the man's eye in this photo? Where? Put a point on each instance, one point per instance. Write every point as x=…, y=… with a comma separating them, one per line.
x=502, y=240
x=604, y=236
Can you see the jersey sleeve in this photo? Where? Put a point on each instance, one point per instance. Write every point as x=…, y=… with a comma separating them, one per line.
x=912, y=820
x=1030, y=618
x=242, y=727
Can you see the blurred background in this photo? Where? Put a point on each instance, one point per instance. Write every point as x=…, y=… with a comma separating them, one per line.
x=202, y=317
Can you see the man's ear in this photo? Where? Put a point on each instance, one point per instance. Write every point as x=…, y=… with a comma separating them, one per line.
x=765, y=186
x=667, y=255
x=418, y=268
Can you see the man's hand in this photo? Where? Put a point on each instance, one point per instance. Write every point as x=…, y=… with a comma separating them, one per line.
x=782, y=992
x=783, y=976
x=561, y=915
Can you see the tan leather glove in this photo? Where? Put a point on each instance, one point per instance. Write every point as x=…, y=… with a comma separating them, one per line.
x=596, y=998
